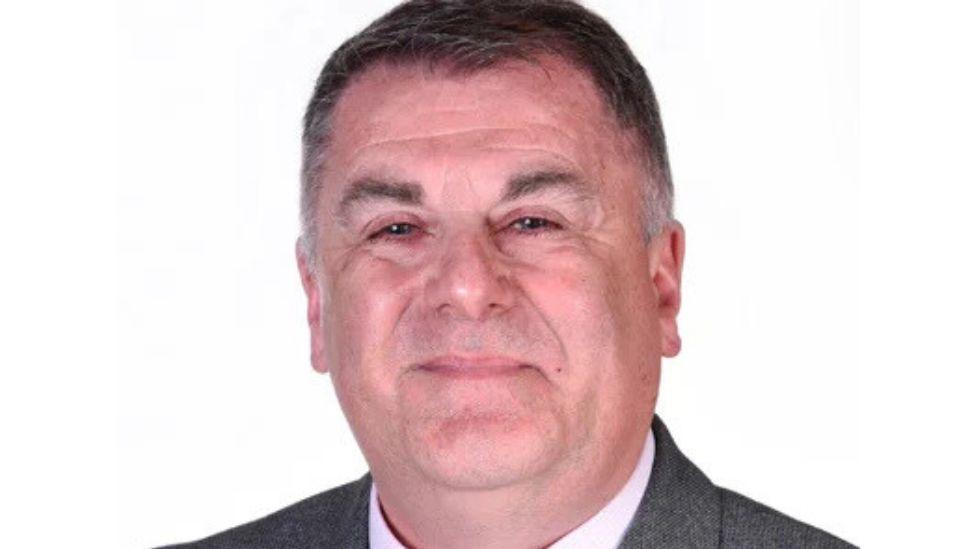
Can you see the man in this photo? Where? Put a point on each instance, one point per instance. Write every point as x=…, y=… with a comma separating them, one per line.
x=493, y=275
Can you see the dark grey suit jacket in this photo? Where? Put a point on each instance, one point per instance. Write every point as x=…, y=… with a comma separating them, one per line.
x=680, y=509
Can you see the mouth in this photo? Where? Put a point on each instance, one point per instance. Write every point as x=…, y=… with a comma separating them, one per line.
x=476, y=367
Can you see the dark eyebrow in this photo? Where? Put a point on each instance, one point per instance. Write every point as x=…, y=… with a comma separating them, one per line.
x=534, y=182
x=369, y=189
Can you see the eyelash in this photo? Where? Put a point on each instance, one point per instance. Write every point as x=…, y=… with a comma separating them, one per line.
x=546, y=226
x=385, y=232
x=542, y=225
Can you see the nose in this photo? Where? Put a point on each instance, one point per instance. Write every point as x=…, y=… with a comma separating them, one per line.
x=469, y=281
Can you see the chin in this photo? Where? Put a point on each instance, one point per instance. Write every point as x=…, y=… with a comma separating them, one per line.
x=486, y=451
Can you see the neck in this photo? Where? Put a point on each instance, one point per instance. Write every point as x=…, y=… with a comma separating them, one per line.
x=534, y=513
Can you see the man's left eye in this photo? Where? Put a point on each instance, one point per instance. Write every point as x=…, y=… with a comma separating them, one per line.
x=534, y=224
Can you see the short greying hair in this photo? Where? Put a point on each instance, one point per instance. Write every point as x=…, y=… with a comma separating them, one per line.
x=465, y=36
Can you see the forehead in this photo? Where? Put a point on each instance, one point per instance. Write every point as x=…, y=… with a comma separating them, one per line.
x=392, y=116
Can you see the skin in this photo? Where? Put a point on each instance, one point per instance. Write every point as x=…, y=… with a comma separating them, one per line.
x=497, y=356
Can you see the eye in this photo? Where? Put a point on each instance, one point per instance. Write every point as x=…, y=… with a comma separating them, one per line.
x=395, y=231
x=534, y=225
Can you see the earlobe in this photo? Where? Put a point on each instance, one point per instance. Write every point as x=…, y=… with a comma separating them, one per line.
x=314, y=307
x=666, y=262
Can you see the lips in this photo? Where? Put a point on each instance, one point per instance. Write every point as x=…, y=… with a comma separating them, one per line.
x=473, y=367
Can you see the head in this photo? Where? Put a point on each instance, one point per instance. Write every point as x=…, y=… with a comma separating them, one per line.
x=464, y=37
x=491, y=266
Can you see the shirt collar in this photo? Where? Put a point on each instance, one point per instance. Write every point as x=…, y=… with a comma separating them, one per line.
x=603, y=530
x=380, y=536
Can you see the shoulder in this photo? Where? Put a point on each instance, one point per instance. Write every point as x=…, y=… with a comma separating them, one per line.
x=682, y=508
x=747, y=523
x=336, y=517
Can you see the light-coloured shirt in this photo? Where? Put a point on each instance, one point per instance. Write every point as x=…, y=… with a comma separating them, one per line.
x=604, y=530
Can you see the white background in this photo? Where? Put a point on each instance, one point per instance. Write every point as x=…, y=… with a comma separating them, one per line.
x=154, y=348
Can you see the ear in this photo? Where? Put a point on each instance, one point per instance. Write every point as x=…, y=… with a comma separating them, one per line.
x=313, y=295
x=666, y=259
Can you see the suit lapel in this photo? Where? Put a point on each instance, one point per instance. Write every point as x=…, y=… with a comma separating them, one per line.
x=681, y=508
x=352, y=528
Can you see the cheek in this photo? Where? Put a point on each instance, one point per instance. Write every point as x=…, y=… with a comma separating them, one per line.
x=602, y=311
x=570, y=293
x=633, y=302
x=368, y=297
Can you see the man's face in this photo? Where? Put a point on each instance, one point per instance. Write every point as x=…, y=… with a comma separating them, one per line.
x=483, y=295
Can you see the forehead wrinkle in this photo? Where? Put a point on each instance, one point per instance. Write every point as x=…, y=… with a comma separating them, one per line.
x=561, y=157
x=531, y=130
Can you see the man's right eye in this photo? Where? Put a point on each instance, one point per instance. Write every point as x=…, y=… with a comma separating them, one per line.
x=395, y=231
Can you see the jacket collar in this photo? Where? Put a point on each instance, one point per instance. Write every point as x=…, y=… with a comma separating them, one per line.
x=681, y=508
x=353, y=526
